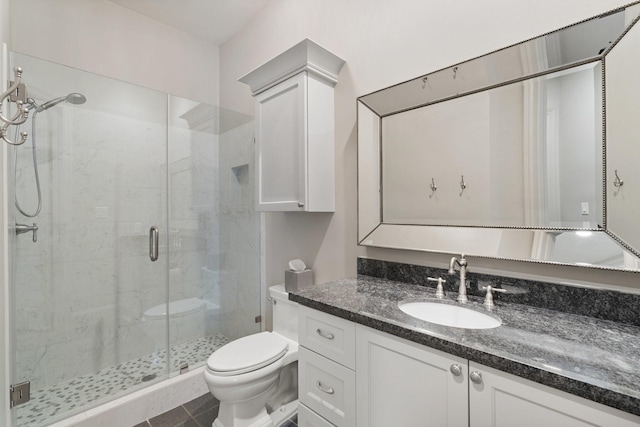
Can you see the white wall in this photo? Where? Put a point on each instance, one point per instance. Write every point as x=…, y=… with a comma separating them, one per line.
x=384, y=43
x=104, y=38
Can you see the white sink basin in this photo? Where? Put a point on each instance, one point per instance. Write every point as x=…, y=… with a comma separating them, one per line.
x=457, y=316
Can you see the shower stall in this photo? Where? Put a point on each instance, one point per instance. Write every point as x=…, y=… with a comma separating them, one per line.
x=124, y=175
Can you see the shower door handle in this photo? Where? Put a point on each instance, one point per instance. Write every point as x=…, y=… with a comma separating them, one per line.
x=153, y=243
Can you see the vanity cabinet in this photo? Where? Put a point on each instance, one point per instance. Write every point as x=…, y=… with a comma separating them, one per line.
x=326, y=377
x=294, y=141
x=402, y=383
x=505, y=400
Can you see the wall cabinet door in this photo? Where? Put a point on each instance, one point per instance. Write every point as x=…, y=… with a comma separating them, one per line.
x=505, y=400
x=401, y=383
x=295, y=146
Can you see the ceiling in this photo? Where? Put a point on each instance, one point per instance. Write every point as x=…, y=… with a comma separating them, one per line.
x=211, y=20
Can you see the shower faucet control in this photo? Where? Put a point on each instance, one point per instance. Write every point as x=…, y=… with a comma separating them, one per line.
x=24, y=228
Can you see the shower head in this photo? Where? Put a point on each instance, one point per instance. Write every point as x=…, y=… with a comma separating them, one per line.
x=72, y=98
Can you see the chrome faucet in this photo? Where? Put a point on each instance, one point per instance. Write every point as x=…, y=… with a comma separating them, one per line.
x=462, y=263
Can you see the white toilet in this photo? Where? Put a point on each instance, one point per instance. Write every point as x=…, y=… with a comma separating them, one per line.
x=255, y=378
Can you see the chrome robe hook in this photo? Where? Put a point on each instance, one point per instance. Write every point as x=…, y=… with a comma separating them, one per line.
x=22, y=113
x=618, y=183
x=19, y=117
x=433, y=187
x=3, y=135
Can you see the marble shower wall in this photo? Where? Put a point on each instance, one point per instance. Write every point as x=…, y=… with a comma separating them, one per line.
x=239, y=227
x=107, y=175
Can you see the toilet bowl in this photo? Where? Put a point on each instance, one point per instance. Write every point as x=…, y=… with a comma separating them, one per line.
x=255, y=377
x=188, y=319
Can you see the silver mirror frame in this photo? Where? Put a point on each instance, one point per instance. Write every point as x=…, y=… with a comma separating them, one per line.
x=538, y=245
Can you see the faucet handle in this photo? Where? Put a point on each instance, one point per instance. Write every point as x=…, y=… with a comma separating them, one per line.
x=488, y=300
x=439, y=289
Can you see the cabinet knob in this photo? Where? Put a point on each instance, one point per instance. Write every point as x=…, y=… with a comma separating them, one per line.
x=301, y=204
x=475, y=377
x=456, y=370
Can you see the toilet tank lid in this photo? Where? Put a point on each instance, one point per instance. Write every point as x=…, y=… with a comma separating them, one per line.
x=248, y=353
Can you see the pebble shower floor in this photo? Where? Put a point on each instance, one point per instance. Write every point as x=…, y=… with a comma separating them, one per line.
x=64, y=399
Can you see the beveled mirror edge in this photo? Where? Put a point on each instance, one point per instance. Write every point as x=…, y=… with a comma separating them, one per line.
x=594, y=58
x=487, y=238
x=363, y=235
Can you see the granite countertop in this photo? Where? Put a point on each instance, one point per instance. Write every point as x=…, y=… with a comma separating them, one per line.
x=592, y=358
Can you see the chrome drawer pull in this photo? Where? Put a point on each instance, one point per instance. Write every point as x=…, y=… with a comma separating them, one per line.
x=327, y=335
x=328, y=390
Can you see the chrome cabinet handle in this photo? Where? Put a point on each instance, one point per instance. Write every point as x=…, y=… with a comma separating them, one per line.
x=475, y=377
x=327, y=335
x=153, y=243
x=328, y=390
x=456, y=369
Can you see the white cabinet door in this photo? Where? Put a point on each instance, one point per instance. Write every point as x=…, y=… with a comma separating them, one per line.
x=281, y=130
x=401, y=383
x=505, y=400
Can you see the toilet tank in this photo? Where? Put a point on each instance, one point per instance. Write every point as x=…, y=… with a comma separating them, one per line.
x=285, y=313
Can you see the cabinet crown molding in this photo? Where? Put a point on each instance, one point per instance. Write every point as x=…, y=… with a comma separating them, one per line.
x=304, y=56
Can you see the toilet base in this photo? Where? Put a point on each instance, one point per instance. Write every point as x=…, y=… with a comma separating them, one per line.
x=249, y=416
x=246, y=413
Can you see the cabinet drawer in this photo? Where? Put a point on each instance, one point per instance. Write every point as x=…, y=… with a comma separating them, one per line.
x=308, y=418
x=327, y=388
x=328, y=335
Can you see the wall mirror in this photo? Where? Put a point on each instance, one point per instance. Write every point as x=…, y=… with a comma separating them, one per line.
x=526, y=153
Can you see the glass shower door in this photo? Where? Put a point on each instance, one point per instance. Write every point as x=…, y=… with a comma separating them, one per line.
x=89, y=314
x=214, y=282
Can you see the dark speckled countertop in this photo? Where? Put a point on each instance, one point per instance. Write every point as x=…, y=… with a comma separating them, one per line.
x=588, y=357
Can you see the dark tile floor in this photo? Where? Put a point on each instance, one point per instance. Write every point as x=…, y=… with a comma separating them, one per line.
x=200, y=412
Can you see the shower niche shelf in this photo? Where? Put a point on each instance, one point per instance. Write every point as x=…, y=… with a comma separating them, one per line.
x=294, y=114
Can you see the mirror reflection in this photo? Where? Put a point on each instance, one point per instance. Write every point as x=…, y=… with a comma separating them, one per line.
x=495, y=158
x=505, y=155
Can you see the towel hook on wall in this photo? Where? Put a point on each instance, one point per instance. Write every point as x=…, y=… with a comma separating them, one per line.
x=618, y=183
x=433, y=187
x=21, y=114
x=463, y=184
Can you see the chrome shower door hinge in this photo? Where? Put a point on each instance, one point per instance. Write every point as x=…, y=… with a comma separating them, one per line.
x=19, y=393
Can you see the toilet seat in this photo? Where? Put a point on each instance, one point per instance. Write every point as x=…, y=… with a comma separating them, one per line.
x=247, y=354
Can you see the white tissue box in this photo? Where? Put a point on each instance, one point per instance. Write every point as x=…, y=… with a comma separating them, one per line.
x=297, y=280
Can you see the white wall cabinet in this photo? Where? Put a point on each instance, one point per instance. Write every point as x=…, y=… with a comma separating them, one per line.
x=295, y=149
x=402, y=383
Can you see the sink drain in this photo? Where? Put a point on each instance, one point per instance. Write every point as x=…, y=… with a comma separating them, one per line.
x=149, y=377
